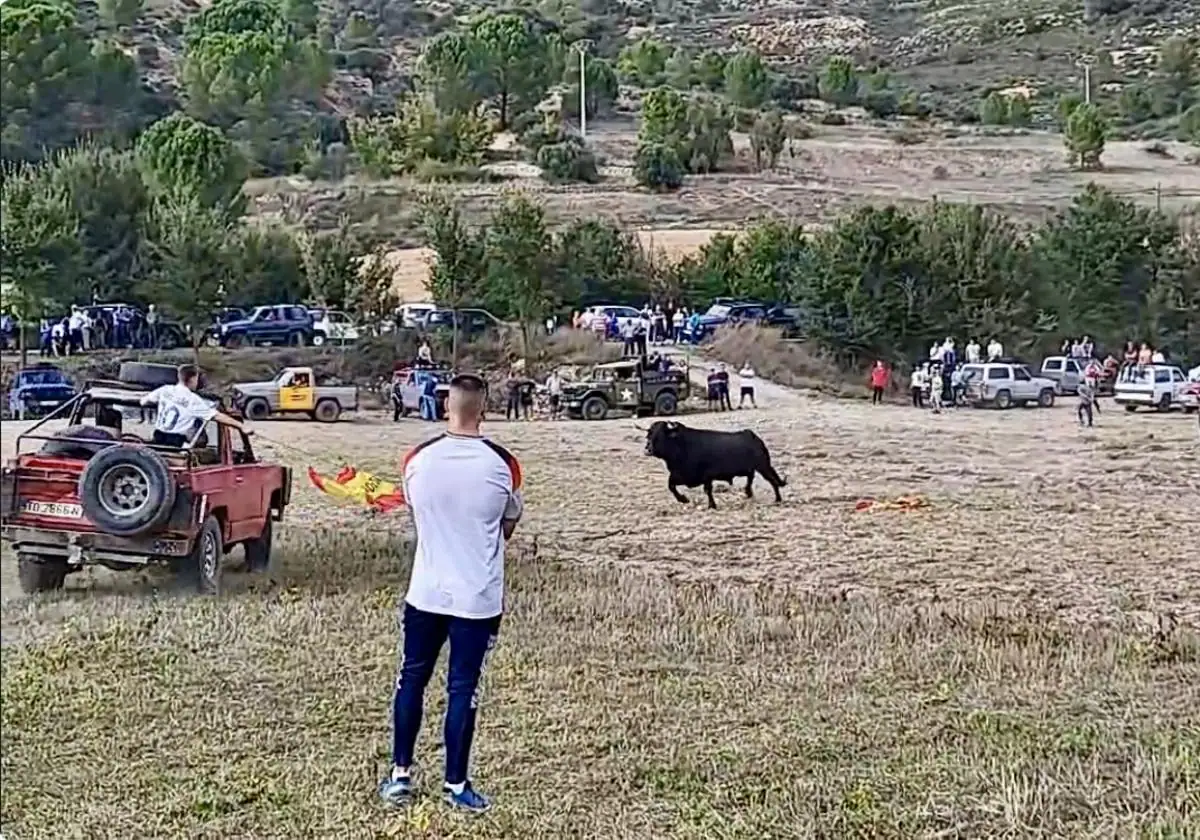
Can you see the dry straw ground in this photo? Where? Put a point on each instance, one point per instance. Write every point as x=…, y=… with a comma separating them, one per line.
x=1019, y=660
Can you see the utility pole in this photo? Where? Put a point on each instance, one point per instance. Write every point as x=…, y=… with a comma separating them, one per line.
x=1085, y=63
x=581, y=47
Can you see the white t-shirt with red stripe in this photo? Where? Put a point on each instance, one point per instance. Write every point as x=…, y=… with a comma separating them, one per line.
x=460, y=489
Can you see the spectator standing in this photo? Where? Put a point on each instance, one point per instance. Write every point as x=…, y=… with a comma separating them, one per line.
x=677, y=324
x=659, y=326
x=1145, y=355
x=746, y=375
x=512, y=407
x=75, y=324
x=1087, y=348
x=879, y=381
x=723, y=388
x=995, y=350
x=554, y=390
x=936, y=386
x=627, y=337
x=464, y=492
x=1087, y=399
x=152, y=326
x=973, y=352
x=916, y=386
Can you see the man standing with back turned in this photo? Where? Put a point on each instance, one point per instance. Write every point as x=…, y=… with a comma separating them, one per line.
x=464, y=492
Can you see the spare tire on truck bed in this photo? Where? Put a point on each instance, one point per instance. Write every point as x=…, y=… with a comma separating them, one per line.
x=150, y=375
x=77, y=447
x=127, y=490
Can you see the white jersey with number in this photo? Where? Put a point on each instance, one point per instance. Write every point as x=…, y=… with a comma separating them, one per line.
x=180, y=409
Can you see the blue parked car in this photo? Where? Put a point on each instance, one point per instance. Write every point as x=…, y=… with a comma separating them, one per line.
x=288, y=324
x=38, y=390
x=720, y=314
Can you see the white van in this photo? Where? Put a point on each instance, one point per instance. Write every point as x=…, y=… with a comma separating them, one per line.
x=1151, y=386
x=412, y=315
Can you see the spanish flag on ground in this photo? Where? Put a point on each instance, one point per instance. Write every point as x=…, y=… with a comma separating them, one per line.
x=362, y=487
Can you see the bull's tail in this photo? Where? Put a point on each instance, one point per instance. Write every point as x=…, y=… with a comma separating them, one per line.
x=773, y=478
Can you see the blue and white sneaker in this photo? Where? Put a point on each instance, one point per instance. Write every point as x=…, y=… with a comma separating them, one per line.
x=467, y=800
x=396, y=790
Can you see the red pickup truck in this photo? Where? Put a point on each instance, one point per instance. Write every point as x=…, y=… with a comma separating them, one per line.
x=98, y=493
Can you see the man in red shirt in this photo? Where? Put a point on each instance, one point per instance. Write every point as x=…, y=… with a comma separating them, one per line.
x=879, y=382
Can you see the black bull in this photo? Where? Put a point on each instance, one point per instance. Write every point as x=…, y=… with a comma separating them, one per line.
x=696, y=457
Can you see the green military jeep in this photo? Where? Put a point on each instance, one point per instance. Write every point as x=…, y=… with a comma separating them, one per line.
x=626, y=386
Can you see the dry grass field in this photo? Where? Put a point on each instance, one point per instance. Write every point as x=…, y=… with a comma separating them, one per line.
x=1019, y=659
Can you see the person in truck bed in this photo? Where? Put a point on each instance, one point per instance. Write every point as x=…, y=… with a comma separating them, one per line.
x=180, y=410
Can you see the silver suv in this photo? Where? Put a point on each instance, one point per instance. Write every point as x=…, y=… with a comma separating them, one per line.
x=1003, y=385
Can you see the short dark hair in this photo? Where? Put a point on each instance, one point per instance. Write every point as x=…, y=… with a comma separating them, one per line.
x=188, y=373
x=470, y=382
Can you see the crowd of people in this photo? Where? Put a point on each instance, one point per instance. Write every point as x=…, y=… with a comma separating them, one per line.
x=88, y=328
x=654, y=325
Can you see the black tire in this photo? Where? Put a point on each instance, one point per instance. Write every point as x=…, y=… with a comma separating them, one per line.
x=665, y=404
x=258, y=551
x=200, y=571
x=594, y=408
x=1046, y=398
x=127, y=490
x=83, y=451
x=41, y=574
x=1164, y=404
x=148, y=375
x=1131, y=408
x=319, y=339
x=327, y=411
x=257, y=409
x=1003, y=399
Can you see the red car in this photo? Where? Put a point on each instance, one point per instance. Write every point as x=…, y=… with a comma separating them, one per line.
x=99, y=494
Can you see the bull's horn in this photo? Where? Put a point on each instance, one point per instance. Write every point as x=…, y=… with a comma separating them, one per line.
x=640, y=428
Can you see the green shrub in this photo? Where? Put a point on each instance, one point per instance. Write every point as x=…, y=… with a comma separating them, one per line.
x=657, y=166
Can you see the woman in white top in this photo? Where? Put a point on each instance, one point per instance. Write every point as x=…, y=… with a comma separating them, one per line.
x=746, y=374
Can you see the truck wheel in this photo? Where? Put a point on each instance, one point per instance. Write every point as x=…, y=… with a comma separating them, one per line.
x=40, y=574
x=1164, y=404
x=168, y=340
x=594, y=408
x=258, y=551
x=257, y=409
x=318, y=339
x=200, y=571
x=148, y=375
x=1003, y=399
x=1131, y=408
x=665, y=404
x=327, y=411
x=1046, y=398
x=127, y=490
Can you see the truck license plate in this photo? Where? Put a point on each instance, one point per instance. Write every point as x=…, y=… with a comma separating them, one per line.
x=59, y=509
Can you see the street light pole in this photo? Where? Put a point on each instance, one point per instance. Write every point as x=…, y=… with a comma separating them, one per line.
x=581, y=46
